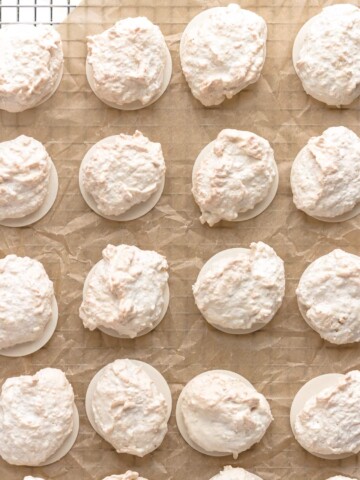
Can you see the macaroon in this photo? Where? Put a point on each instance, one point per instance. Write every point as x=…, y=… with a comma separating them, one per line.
x=126, y=293
x=235, y=177
x=34, y=408
x=325, y=176
x=325, y=55
x=328, y=296
x=31, y=66
x=129, y=475
x=29, y=181
x=28, y=307
x=239, y=290
x=128, y=403
x=220, y=413
x=324, y=415
x=222, y=51
x=122, y=177
x=230, y=473
x=129, y=65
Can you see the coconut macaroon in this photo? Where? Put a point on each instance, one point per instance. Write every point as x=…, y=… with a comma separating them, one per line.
x=122, y=171
x=31, y=65
x=222, y=51
x=230, y=473
x=325, y=176
x=233, y=175
x=326, y=57
x=328, y=423
x=33, y=478
x=127, y=63
x=240, y=288
x=129, y=475
x=219, y=412
x=24, y=177
x=341, y=477
x=36, y=416
x=26, y=297
x=329, y=296
x=129, y=410
x=126, y=291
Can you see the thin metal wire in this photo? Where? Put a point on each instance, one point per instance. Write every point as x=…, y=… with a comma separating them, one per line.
x=53, y=9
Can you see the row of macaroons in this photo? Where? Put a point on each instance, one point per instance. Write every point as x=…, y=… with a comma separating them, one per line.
x=126, y=295
x=234, y=178
x=222, y=51
x=129, y=403
x=229, y=473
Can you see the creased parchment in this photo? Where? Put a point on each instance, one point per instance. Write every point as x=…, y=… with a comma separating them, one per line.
x=69, y=240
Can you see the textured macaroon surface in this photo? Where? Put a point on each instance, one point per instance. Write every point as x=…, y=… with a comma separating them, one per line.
x=325, y=176
x=328, y=62
x=241, y=290
x=341, y=477
x=223, y=53
x=129, y=410
x=26, y=296
x=125, y=290
x=31, y=61
x=230, y=473
x=129, y=475
x=128, y=61
x=24, y=176
x=328, y=424
x=329, y=295
x=36, y=416
x=33, y=478
x=223, y=414
x=233, y=176
x=123, y=171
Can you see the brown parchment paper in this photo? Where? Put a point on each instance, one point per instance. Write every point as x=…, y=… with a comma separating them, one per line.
x=69, y=240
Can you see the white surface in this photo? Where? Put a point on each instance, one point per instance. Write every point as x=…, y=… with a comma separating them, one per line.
x=43, y=210
x=180, y=420
x=261, y=206
x=135, y=105
x=110, y=331
x=30, y=347
x=310, y=389
x=155, y=376
x=68, y=444
x=134, y=212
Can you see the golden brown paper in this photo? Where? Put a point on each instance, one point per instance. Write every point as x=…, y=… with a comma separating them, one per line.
x=279, y=358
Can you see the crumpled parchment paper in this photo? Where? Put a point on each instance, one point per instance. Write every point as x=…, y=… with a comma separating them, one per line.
x=279, y=358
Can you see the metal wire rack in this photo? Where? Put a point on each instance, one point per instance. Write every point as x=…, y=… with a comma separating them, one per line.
x=35, y=12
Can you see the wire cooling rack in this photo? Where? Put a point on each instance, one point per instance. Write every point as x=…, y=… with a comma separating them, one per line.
x=35, y=12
